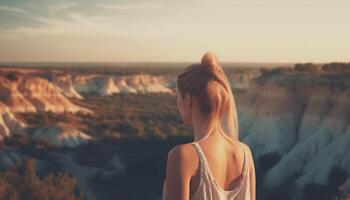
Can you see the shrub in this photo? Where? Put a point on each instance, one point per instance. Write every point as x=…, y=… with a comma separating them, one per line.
x=307, y=67
x=11, y=76
x=22, y=182
x=336, y=67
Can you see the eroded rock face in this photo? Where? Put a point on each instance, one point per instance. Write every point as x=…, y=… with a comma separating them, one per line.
x=12, y=97
x=145, y=83
x=306, y=125
x=65, y=85
x=322, y=147
x=61, y=135
x=32, y=94
x=108, y=85
x=242, y=80
x=8, y=122
x=47, y=97
x=139, y=83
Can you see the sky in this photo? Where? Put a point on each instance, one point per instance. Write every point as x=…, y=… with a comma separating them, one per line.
x=174, y=30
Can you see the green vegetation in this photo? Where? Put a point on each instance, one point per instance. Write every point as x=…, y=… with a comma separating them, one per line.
x=275, y=71
x=133, y=116
x=42, y=118
x=22, y=183
x=139, y=128
x=307, y=67
x=335, y=67
x=120, y=116
x=332, y=74
x=12, y=76
x=328, y=67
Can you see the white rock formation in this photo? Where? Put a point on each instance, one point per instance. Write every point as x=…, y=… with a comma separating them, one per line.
x=144, y=83
x=269, y=124
x=61, y=135
x=10, y=95
x=32, y=94
x=47, y=97
x=66, y=86
x=109, y=87
x=87, y=83
x=307, y=124
x=324, y=147
x=242, y=80
x=8, y=122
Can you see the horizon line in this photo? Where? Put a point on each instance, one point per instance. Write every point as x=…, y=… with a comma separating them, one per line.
x=140, y=62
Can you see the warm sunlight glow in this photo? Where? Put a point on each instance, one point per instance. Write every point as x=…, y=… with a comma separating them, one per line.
x=157, y=30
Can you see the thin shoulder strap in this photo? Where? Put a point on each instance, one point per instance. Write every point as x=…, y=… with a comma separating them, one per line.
x=200, y=155
x=202, y=158
x=246, y=163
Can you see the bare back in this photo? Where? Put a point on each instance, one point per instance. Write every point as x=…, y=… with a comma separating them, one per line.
x=214, y=168
x=225, y=162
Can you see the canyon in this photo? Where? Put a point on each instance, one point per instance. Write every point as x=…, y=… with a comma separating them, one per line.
x=296, y=124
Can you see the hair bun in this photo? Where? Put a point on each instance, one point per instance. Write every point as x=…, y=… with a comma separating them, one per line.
x=210, y=62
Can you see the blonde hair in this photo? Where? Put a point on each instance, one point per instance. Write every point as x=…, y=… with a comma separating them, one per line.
x=208, y=83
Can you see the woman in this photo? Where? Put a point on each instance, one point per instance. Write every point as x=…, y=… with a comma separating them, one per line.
x=216, y=165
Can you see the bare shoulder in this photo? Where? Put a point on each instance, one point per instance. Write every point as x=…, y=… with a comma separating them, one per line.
x=182, y=159
x=182, y=153
x=179, y=171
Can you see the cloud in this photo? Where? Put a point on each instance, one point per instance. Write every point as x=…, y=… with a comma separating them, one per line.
x=130, y=6
x=62, y=6
x=74, y=24
x=14, y=9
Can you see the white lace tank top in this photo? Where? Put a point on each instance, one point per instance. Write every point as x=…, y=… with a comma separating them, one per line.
x=209, y=189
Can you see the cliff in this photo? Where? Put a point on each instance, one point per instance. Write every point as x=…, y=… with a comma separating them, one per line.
x=302, y=120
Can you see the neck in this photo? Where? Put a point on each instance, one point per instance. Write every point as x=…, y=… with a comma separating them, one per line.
x=204, y=126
